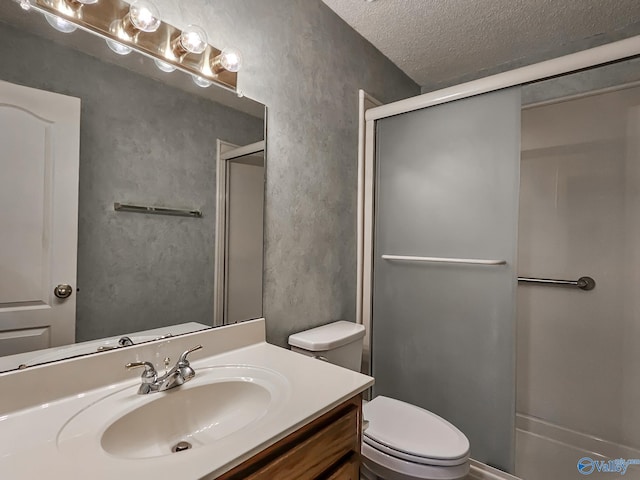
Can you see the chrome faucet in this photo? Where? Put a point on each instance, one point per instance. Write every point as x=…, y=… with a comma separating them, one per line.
x=179, y=374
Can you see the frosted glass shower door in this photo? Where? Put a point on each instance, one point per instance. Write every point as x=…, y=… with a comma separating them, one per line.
x=443, y=334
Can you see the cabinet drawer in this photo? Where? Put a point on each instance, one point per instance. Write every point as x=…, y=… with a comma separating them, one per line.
x=327, y=448
x=307, y=460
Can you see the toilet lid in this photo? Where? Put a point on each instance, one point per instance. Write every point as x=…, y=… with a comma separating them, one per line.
x=412, y=430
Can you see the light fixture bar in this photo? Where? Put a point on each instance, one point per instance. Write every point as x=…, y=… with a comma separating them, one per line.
x=97, y=18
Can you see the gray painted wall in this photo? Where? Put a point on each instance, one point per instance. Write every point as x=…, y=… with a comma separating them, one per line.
x=307, y=70
x=141, y=141
x=312, y=67
x=306, y=65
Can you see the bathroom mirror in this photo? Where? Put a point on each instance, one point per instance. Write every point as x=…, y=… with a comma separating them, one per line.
x=160, y=232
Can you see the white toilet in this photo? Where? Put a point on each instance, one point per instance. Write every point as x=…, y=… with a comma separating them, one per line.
x=402, y=441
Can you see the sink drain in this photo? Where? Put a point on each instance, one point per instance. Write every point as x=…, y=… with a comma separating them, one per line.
x=181, y=447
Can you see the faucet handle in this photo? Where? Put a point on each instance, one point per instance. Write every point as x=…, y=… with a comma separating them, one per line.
x=183, y=358
x=149, y=369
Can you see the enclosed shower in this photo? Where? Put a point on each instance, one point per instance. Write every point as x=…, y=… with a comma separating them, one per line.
x=505, y=270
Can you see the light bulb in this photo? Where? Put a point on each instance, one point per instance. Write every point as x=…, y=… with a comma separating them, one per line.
x=118, y=47
x=164, y=66
x=144, y=15
x=231, y=59
x=60, y=24
x=25, y=4
x=201, y=81
x=193, y=39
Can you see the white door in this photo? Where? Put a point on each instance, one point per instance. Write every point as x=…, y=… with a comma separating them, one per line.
x=239, y=232
x=244, y=245
x=39, y=159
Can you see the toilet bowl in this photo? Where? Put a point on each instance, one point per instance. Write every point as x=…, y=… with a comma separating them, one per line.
x=402, y=441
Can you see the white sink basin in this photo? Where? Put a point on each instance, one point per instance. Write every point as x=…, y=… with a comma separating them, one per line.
x=198, y=416
x=218, y=403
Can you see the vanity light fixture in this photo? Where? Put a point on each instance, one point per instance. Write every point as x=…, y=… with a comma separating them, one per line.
x=201, y=81
x=117, y=30
x=143, y=16
x=230, y=59
x=135, y=25
x=118, y=47
x=60, y=24
x=193, y=39
x=164, y=66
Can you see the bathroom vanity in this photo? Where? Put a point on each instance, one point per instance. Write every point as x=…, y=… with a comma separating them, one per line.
x=252, y=411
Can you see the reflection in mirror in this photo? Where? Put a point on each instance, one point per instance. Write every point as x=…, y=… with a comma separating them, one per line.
x=83, y=129
x=239, y=232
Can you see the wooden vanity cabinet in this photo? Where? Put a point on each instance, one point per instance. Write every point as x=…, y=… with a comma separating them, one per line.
x=326, y=449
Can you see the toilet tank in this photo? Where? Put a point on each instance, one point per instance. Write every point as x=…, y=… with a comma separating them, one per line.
x=339, y=343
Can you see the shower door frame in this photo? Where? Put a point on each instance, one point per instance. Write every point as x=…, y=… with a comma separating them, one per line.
x=611, y=52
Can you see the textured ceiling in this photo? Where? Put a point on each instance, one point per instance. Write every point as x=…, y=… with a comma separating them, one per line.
x=435, y=41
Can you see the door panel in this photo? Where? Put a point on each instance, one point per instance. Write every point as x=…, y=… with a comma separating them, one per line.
x=13, y=342
x=245, y=199
x=39, y=156
x=26, y=163
x=443, y=333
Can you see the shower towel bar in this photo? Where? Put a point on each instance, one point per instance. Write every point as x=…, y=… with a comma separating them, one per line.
x=121, y=207
x=466, y=261
x=583, y=283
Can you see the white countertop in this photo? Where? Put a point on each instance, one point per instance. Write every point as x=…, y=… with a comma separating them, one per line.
x=28, y=438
